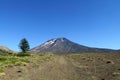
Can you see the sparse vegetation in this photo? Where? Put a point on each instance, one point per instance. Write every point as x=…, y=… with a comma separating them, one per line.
x=21, y=54
x=1, y=70
x=60, y=67
x=108, y=62
x=11, y=59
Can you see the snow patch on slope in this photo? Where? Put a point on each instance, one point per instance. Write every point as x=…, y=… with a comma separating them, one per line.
x=48, y=43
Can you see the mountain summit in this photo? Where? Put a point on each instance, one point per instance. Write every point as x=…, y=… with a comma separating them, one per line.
x=63, y=45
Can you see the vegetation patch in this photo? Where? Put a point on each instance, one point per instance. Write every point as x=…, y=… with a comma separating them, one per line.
x=60, y=67
x=12, y=59
x=1, y=70
x=46, y=56
x=23, y=54
x=109, y=62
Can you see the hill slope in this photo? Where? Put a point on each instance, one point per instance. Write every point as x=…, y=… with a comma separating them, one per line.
x=63, y=45
x=67, y=67
x=4, y=49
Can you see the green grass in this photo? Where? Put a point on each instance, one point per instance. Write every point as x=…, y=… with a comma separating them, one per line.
x=1, y=70
x=9, y=60
x=45, y=56
x=23, y=54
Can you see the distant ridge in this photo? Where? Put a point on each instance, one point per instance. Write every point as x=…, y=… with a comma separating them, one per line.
x=64, y=46
x=4, y=49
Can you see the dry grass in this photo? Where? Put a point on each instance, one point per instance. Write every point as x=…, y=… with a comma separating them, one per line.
x=88, y=66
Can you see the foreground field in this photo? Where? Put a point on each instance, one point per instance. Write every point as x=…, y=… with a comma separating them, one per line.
x=87, y=66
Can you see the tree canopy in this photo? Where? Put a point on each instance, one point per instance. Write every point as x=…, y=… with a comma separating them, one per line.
x=24, y=45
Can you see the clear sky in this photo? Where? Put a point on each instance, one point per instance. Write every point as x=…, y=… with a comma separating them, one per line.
x=94, y=23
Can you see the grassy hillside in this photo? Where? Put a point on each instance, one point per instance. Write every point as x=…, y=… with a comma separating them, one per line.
x=4, y=49
x=88, y=66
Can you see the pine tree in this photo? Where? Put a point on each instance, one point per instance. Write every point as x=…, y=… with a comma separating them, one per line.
x=24, y=45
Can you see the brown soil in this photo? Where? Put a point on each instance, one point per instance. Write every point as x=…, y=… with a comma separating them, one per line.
x=91, y=66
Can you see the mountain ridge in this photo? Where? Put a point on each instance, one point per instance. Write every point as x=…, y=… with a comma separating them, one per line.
x=4, y=49
x=64, y=45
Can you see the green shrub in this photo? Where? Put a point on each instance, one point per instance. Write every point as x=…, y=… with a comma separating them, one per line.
x=23, y=54
x=3, y=58
x=1, y=70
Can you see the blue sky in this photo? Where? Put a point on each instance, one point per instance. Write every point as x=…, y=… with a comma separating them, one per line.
x=94, y=23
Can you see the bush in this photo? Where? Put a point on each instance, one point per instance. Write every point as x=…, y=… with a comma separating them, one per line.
x=109, y=62
x=1, y=70
x=23, y=54
x=3, y=58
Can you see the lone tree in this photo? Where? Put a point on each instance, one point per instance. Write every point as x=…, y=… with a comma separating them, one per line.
x=24, y=45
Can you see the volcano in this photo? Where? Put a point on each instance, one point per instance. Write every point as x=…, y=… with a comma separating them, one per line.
x=64, y=46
